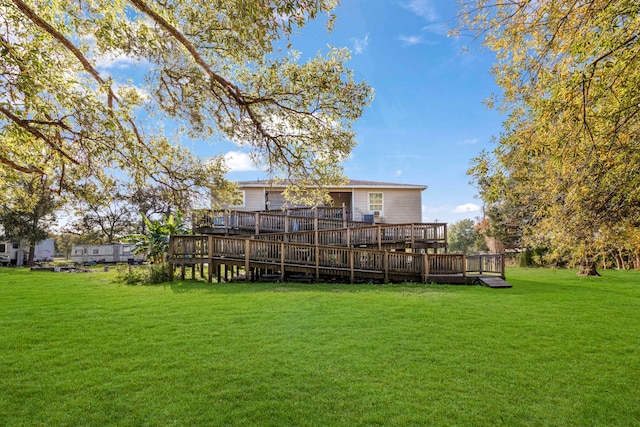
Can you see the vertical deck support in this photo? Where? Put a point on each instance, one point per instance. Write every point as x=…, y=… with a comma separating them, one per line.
x=247, y=257
x=282, y=262
x=171, y=243
x=210, y=258
x=464, y=266
x=380, y=238
x=502, y=275
x=351, y=266
x=425, y=268
x=257, y=223
x=385, y=265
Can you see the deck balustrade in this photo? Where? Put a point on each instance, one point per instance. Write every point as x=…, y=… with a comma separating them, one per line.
x=326, y=260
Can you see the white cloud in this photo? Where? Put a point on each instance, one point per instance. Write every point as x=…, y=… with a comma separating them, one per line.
x=423, y=8
x=360, y=45
x=239, y=162
x=398, y=172
x=116, y=60
x=439, y=28
x=468, y=141
x=410, y=40
x=466, y=208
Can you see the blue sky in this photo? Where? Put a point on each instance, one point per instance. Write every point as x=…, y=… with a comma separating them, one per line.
x=427, y=120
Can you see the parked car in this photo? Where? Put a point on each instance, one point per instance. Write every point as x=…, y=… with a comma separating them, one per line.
x=5, y=260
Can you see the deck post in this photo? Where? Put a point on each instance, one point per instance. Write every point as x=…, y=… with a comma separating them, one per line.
x=317, y=262
x=210, y=256
x=344, y=216
x=413, y=237
x=247, y=257
x=502, y=275
x=464, y=266
x=385, y=265
x=282, y=262
x=380, y=238
x=425, y=268
x=351, y=266
x=348, y=237
x=171, y=243
x=257, y=223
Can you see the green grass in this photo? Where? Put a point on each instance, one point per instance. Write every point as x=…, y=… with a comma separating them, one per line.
x=556, y=349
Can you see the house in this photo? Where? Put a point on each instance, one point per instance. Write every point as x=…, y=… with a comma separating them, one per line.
x=369, y=201
x=104, y=253
x=16, y=253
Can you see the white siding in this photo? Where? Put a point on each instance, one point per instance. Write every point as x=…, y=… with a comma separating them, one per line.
x=399, y=205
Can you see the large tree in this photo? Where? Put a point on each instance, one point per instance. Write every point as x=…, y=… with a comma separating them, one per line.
x=570, y=152
x=217, y=66
x=28, y=215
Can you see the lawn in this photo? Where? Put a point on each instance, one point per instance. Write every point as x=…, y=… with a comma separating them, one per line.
x=556, y=349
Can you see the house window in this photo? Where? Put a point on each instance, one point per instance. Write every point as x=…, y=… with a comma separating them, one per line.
x=375, y=202
x=3, y=247
x=96, y=251
x=238, y=199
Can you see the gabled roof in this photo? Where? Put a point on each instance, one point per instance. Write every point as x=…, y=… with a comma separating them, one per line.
x=352, y=183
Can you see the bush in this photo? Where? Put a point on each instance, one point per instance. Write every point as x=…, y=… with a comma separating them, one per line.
x=143, y=275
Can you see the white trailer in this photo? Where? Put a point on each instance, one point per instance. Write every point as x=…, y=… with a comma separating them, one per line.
x=16, y=253
x=104, y=253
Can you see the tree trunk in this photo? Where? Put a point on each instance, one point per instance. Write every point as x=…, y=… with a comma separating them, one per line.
x=588, y=267
x=32, y=252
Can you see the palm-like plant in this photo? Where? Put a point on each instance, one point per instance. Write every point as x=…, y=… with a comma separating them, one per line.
x=155, y=243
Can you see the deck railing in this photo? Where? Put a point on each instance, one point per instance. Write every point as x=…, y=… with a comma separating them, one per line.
x=229, y=221
x=486, y=264
x=433, y=234
x=328, y=259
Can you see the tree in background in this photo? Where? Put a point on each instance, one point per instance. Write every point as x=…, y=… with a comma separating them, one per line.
x=30, y=214
x=217, y=67
x=464, y=238
x=568, y=160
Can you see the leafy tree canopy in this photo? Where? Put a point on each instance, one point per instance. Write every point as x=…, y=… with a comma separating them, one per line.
x=213, y=65
x=569, y=156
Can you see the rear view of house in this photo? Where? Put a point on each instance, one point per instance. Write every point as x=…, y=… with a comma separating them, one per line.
x=370, y=201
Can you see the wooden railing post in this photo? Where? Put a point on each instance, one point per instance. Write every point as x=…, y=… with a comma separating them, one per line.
x=170, y=265
x=425, y=267
x=317, y=260
x=348, y=237
x=502, y=273
x=257, y=223
x=247, y=257
x=210, y=258
x=464, y=266
x=386, y=267
x=351, y=266
x=344, y=216
x=380, y=238
x=282, y=262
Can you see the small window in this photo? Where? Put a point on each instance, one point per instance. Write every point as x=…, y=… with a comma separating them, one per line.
x=375, y=202
x=16, y=246
x=96, y=251
x=238, y=199
x=78, y=251
x=3, y=247
x=126, y=249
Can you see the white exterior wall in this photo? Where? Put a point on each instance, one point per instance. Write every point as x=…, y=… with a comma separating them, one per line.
x=399, y=206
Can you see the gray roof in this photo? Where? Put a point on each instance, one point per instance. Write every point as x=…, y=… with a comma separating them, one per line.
x=352, y=183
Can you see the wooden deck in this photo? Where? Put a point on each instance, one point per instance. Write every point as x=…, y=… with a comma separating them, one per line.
x=321, y=262
x=234, y=222
x=324, y=231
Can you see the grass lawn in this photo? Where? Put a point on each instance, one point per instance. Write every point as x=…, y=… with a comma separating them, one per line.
x=556, y=349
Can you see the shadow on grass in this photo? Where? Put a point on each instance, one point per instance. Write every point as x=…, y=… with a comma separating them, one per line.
x=184, y=286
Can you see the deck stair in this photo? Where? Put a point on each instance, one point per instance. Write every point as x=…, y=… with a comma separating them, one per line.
x=493, y=282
